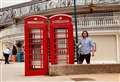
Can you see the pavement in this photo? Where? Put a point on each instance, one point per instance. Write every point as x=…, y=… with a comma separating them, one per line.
x=14, y=72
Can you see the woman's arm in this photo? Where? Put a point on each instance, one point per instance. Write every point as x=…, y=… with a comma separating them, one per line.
x=93, y=48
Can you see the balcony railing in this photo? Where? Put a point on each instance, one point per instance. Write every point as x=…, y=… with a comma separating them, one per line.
x=98, y=23
x=13, y=30
x=102, y=21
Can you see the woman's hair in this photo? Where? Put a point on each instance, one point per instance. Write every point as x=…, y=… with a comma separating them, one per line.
x=85, y=32
x=14, y=47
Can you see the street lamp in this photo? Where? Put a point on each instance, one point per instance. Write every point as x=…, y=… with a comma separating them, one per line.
x=76, y=29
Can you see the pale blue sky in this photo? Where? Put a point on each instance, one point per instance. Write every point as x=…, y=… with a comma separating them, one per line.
x=5, y=3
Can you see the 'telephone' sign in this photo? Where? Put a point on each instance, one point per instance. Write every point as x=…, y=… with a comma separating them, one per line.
x=35, y=22
x=61, y=20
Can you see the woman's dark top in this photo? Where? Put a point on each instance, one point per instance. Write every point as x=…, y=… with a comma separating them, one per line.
x=14, y=50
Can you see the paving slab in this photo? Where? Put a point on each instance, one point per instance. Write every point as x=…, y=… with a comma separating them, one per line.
x=14, y=72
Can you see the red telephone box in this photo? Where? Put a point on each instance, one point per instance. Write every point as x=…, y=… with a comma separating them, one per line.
x=61, y=39
x=36, y=45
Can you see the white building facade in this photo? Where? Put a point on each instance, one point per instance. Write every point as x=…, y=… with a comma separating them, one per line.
x=103, y=28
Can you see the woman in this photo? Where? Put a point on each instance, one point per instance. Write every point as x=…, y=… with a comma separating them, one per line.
x=14, y=53
x=6, y=54
x=86, y=46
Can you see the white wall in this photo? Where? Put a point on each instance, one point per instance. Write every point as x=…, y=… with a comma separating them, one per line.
x=106, y=48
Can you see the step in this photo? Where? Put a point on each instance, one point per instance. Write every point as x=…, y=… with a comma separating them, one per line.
x=71, y=69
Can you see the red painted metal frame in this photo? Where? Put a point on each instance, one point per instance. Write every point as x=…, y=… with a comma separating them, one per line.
x=39, y=22
x=66, y=23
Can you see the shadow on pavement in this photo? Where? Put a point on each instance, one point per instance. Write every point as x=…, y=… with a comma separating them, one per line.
x=82, y=79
